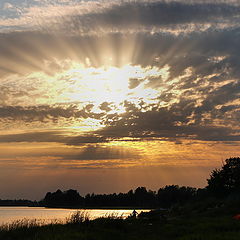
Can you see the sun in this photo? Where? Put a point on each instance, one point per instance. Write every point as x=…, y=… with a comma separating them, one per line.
x=97, y=85
x=96, y=91
x=108, y=84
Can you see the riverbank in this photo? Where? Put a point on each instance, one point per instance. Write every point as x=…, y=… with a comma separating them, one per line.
x=102, y=208
x=216, y=223
x=47, y=215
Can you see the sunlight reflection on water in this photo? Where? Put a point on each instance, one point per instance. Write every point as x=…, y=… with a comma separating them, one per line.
x=48, y=215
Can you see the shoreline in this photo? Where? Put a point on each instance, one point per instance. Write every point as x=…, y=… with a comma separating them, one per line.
x=84, y=208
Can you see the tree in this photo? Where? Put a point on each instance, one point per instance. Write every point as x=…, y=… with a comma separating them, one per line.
x=226, y=180
x=173, y=194
x=144, y=198
x=67, y=198
x=72, y=198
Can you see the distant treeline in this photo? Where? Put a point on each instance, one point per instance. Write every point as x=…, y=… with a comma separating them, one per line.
x=19, y=202
x=223, y=183
x=139, y=198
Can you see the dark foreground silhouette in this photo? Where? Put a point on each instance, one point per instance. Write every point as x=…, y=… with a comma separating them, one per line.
x=210, y=220
x=139, y=198
x=212, y=213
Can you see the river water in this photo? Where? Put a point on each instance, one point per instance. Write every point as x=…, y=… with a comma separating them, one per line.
x=48, y=215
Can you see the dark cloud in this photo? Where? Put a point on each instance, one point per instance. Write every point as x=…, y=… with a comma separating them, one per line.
x=80, y=140
x=147, y=14
x=24, y=51
x=53, y=136
x=90, y=148
x=47, y=136
x=181, y=121
x=163, y=13
x=47, y=113
x=220, y=96
x=134, y=82
x=105, y=106
x=101, y=153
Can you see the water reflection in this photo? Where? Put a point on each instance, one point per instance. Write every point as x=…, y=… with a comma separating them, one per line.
x=48, y=215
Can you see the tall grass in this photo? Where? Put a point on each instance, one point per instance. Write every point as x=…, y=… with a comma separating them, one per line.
x=209, y=225
x=22, y=223
x=78, y=217
x=114, y=215
x=75, y=218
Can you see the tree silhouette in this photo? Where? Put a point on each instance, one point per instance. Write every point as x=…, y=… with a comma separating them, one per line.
x=67, y=198
x=173, y=194
x=227, y=179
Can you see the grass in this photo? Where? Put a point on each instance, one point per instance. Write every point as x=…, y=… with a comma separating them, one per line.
x=78, y=217
x=208, y=224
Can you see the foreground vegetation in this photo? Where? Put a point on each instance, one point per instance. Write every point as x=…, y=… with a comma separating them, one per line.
x=212, y=213
x=207, y=222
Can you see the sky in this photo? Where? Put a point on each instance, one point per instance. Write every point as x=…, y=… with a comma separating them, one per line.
x=106, y=96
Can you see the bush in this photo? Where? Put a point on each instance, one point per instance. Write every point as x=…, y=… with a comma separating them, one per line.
x=226, y=180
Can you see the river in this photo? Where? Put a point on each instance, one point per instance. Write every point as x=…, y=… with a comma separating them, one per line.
x=48, y=215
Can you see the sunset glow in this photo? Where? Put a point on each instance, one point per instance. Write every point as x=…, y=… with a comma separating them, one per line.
x=120, y=92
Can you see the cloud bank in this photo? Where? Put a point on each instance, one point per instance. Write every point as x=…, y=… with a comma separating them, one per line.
x=183, y=58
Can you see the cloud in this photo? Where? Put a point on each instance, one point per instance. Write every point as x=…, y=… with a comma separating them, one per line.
x=57, y=136
x=101, y=153
x=84, y=147
x=7, y=5
x=90, y=17
x=183, y=120
x=160, y=13
x=49, y=136
x=90, y=138
x=42, y=113
x=196, y=96
x=105, y=106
